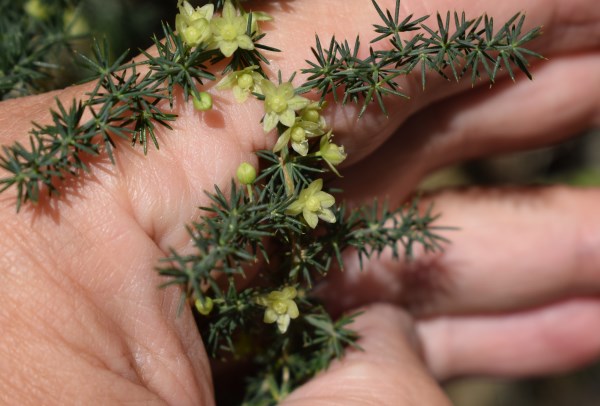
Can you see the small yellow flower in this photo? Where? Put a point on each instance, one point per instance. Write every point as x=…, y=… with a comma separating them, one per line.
x=193, y=25
x=280, y=307
x=298, y=134
x=314, y=204
x=281, y=103
x=242, y=82
x=229, y=31
x=332, y=154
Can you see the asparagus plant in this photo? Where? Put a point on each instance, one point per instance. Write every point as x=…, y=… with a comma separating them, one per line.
x=282, y=217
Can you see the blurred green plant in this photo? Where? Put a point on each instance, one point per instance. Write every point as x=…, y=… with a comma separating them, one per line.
x=34, y=36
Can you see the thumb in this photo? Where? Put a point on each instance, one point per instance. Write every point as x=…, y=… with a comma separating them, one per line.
x=388, y=371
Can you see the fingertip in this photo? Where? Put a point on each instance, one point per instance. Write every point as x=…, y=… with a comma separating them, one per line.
x=388, y=369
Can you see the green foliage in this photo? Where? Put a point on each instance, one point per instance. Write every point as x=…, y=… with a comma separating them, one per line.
x=456, y=47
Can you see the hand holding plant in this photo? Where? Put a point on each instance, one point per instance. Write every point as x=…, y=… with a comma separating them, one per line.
x=82, y=292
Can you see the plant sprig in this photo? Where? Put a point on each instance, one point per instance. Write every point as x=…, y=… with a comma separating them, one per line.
x=455, y=47
x=124, y=103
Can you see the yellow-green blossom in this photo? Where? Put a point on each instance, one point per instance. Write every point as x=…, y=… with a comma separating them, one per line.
x=229, y=31
x=298, y=134
x=242, y=82
x=332, y=154
x=193, y=25
x=281, y=103
x=280, y=307
x=314, y=204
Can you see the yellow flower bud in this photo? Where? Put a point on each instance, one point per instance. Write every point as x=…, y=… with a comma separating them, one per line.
x=204, y=102
x=204, y=308
x=311, y=115
x=246, y=173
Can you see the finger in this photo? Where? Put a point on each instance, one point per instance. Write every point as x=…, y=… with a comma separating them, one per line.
x=514, y=248
x=546, y=340
x=510, y=116
x=387, y=372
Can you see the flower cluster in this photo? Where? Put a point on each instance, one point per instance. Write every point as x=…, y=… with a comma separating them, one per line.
x=228, y=32
x=193, y=25
x=298, y=120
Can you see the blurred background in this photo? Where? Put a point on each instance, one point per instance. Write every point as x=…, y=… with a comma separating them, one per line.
x=128, y=24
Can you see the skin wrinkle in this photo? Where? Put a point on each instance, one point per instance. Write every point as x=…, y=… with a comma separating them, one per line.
x=560, y=267
x=153, y=360
x=585, y=253
x=578, y=19
x=35, y=375
x=57, y=325
x=191, y=342
x=151, y=365
x=140, y=368
x=169, y=233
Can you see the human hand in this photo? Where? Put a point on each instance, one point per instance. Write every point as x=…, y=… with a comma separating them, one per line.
x=80, y=303
x=515, y=293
